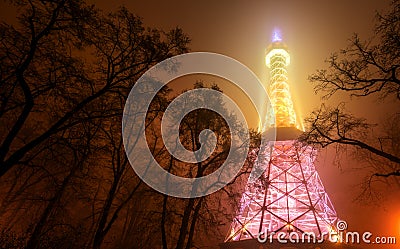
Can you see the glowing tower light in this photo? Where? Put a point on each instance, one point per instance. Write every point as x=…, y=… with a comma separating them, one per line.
x=289, y=196
x=276, y=37
x=277, y=59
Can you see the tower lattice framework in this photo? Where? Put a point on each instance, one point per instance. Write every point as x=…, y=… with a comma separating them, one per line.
x=289, y=197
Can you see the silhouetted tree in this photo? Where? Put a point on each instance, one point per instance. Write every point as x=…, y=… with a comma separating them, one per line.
x=362, y=69
x=45, y=83
x=65, y=72
x=185, y=223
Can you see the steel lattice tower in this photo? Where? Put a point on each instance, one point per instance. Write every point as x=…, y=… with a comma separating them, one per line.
x=289, y=197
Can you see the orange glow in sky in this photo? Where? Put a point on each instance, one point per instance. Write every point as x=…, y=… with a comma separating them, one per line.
x=312, y=30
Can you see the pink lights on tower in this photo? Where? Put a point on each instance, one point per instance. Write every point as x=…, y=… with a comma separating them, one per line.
x=289, y=197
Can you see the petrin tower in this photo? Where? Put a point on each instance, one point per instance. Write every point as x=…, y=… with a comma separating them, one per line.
x=288, y=200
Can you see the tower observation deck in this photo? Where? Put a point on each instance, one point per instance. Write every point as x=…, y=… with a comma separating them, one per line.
x=277, y=59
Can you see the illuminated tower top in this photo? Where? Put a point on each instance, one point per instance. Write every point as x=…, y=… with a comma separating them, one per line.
x=277, y=59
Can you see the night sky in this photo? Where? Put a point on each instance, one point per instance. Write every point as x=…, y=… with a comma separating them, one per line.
x=312, y=30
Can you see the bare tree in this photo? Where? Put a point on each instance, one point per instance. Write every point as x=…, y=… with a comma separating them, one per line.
x=185, y=223
x=362, y=69
x=43, y=76
x=124, y=186
x=369, y=67
x=36, y=64
x=65, y=72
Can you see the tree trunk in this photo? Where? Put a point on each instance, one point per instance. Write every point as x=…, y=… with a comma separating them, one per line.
x=34, y=240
